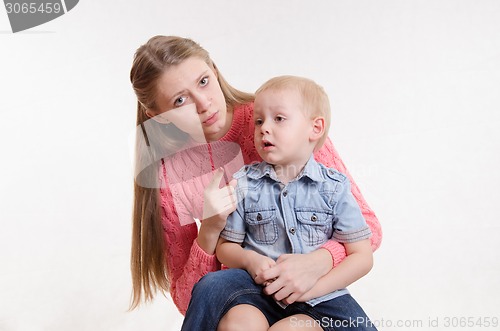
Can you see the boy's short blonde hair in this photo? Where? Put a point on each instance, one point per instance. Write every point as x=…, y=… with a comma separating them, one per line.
x=315, y=102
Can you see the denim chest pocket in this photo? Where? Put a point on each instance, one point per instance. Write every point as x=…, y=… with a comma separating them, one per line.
x=262, y=226
x=315, y=226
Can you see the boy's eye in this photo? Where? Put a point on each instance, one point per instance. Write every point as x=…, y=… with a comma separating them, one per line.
x=258, y=122
x=204, y=81
x=279, y=119
x=179, y=101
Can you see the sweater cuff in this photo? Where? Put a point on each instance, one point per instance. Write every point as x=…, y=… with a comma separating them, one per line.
x=337, y=250
x=204, y=259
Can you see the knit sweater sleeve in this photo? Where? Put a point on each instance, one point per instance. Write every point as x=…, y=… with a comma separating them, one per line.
x=329, y=156
x=186, y=261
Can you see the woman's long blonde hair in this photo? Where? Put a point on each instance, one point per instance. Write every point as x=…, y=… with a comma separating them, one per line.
x=148, y=264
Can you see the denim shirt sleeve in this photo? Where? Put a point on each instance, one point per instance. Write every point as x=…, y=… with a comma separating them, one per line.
x=235, y=225
x=349, y=223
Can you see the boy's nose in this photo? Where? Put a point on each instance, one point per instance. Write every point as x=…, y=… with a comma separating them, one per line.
x=265, y=127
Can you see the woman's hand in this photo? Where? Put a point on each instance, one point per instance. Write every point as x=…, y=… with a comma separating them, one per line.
x=218, y=204
x=295, y=274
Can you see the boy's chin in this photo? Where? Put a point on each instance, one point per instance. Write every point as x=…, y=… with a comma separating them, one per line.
x=270, y=160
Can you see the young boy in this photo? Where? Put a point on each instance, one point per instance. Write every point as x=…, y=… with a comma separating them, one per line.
x=289, y=203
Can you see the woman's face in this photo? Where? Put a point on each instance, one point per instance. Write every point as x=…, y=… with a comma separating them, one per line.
x=190, y=97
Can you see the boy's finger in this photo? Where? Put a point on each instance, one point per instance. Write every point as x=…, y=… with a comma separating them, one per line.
x=268, y=274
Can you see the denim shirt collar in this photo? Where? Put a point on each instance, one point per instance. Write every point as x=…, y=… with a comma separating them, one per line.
x=311, y=170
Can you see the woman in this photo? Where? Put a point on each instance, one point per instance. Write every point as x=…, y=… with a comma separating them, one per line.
x=190, y=120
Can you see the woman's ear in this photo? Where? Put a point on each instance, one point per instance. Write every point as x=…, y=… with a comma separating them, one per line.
x=318, y=128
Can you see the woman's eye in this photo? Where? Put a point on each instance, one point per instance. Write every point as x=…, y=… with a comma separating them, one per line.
x=258, y=122
x=179, y=101
x=204, y=81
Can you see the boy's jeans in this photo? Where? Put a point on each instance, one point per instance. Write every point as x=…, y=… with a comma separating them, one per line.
x=219, y=291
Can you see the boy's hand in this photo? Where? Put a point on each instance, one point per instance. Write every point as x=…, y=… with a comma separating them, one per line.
x=257, y=263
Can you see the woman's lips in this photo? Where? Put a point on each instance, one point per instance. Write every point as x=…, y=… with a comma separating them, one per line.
x=212, y=119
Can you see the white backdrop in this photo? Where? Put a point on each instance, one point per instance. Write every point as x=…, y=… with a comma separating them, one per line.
x=416, y=108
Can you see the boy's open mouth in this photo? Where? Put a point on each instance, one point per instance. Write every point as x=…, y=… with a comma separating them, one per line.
x=267, y=143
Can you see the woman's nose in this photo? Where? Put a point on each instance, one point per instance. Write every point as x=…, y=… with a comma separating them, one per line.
x=203, y=102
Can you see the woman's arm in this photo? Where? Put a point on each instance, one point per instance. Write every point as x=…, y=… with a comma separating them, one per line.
x=359, y=262
x=187, y=261
x=189, y=254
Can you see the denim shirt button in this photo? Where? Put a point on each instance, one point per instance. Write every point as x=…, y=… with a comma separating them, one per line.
x=285, y=193
x=259, y=217
x=292, y=230
x=314, y=218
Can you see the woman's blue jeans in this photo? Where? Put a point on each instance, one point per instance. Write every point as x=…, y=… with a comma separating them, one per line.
x=219, y=291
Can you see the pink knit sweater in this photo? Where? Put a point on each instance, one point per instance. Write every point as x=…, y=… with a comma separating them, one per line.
x=186, y=261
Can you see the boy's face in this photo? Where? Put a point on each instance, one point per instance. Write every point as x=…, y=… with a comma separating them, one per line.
x=282, y=130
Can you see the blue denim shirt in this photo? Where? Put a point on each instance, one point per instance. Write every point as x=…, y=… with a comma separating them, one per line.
x=274, y=219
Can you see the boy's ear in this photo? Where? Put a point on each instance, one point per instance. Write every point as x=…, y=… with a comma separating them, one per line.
x=318, y=128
